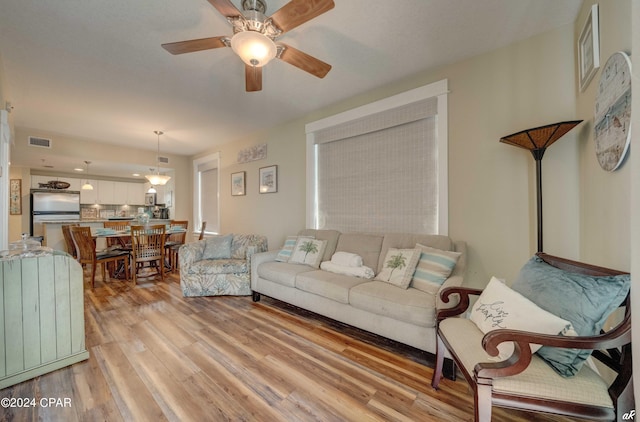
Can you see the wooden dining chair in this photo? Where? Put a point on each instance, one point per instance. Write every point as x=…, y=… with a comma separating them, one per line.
x=174, y=241
x=204, y=226
x=86, y=247
x=68, y=240
x=117, y=226
x=147, y=247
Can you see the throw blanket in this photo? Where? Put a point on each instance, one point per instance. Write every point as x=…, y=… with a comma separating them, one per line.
x=362, y=272
x=346, y=259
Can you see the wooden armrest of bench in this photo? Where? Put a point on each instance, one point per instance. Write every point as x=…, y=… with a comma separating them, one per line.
x=461, y=307
x=519, y=361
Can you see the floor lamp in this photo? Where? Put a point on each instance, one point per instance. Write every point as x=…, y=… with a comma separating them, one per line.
x=537, y=140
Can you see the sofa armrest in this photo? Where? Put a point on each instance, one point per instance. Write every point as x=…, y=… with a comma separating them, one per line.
x=190, y=253
x=256, y=260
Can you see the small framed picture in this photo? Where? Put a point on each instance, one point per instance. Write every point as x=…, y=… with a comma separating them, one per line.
x=269, y=179
x=149, y=199
x=238, y=183
x=15, y=197
x=589, y=48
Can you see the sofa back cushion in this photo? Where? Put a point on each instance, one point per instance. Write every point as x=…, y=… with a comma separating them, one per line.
x=331, y=236
x=409, y=241
x=242, y=242
x=368, y=246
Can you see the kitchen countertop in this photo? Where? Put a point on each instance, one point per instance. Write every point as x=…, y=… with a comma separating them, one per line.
x=153, y=220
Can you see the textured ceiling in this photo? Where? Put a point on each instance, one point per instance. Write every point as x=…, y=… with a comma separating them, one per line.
x=95, y=69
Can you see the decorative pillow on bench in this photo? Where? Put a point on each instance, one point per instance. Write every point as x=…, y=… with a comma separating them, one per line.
x=500, y=307
x=586, y=301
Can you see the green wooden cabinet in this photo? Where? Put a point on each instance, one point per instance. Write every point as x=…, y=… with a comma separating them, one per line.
x=41, y=316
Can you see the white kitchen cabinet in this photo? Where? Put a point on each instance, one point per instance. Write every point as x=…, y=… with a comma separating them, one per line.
x=106, y=192
x=135, y=193
x=120, y=193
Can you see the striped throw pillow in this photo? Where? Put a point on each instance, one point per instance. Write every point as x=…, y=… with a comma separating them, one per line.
x=287, y=249
x=433, y=268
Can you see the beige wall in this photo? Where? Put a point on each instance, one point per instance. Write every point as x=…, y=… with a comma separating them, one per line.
x=87, y=149
x=492, y=202
x=604, y=196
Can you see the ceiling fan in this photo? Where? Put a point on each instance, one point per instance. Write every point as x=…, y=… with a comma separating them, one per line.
x=254, y=36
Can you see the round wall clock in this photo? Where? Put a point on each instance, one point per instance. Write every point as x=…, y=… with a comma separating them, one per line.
x=613, y=112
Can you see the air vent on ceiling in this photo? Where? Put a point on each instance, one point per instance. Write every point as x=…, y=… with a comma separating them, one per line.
x=163, y=160
x=34, y=141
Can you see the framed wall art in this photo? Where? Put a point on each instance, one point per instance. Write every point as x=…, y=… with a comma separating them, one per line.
x=269, y=179
x=238, y=183
x=15, y=197
x=589, y=48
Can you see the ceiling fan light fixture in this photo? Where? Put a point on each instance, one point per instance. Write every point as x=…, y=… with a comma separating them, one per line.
x=254, y=48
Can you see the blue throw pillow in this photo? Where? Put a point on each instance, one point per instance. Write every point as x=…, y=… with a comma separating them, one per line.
x=217, y=247
x=586, y=301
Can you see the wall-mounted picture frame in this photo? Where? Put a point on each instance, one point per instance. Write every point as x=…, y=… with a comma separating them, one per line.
x=149, y=199
x=269, y=179
x=589, y=48
x=15, y=197
x=238, y=183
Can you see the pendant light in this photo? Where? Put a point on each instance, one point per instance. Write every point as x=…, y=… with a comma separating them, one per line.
x=87, y=185
x=158, y=179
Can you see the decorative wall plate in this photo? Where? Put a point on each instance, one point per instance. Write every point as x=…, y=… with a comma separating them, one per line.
x=613, y=112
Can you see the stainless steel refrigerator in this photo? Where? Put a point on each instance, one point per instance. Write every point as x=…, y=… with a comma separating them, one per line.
x=53, y=205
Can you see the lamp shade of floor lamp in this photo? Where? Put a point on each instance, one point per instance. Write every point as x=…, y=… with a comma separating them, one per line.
x=537, y=140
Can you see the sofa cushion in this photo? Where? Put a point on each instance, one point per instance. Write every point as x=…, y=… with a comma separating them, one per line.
x=323, y=283
x=219, y=266
x=282, y=272
x=247, y=243
x=399, y=266
x=408, y=240
x=308, y=252
x=217, y=247
x=434, y=267
x=331, y=236
x=586, y=301
x=366, y=245
x=408, y=305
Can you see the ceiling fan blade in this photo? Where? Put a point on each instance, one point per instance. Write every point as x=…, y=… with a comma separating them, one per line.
x=253, y=78
x=304, y=61
x=226, y=8
x=190, y=46
x=297, y=12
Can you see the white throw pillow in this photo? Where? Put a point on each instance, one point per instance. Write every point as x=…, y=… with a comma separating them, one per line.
x=501, y=307
x=308, y=251
x=399, y=265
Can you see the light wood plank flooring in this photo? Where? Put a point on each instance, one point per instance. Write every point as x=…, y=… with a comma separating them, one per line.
x=157, y=356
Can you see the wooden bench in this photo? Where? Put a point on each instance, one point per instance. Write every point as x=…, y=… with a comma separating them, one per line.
x=494, y=382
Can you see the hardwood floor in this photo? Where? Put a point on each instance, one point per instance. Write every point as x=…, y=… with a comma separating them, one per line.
x=157, y=356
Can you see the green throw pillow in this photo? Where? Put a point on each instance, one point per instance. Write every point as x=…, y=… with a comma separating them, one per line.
x=586, y=301
x=217, y=247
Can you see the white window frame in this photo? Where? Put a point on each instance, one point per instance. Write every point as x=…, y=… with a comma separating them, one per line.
x=197, y=201
x=438, y=89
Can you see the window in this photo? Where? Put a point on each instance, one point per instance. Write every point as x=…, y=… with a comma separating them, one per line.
x=206, y=187
x=381, y=167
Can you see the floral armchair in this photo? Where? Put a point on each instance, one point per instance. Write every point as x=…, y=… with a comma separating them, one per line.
x=219, y=265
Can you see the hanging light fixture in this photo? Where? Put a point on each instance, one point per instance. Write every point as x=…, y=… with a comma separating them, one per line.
x=87, y=185
x=157, y=179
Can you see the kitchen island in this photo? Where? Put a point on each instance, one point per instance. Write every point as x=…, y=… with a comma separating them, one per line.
x=54, y=239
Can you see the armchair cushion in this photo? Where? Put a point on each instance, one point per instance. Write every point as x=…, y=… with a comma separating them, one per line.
x=500, y=307
x=219, y=266
x=584, y=300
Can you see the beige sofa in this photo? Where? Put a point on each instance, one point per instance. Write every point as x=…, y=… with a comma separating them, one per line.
x=404, y=315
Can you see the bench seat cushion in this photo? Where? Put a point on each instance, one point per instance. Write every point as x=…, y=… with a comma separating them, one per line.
x=408, y=305
x=539, y=380
x=282, y=272
x=330, y=285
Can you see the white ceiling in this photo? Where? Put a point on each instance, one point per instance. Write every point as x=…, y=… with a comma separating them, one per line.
x=95, y=69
